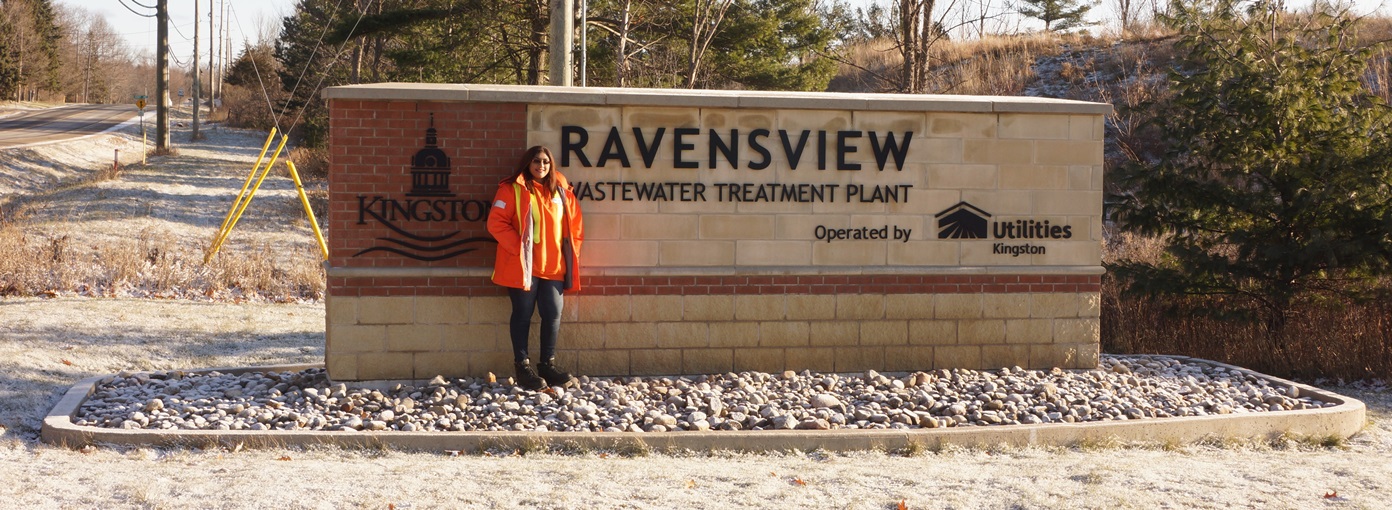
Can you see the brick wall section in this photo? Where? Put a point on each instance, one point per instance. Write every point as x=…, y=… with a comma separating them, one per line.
x=732, y=285
x=372, y=143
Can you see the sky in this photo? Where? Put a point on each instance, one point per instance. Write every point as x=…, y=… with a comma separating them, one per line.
x=249, y=18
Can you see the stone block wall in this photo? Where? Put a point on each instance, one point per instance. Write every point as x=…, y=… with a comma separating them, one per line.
x=676, y=285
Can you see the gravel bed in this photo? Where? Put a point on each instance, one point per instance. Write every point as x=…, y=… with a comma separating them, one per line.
x=1122, y=388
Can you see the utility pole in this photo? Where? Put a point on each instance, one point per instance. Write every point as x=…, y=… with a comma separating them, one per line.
x=212, y=61
x=562, y=42
x=162, y=80
x=197, y=102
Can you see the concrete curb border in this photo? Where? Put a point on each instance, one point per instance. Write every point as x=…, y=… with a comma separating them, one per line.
x=1340, y=421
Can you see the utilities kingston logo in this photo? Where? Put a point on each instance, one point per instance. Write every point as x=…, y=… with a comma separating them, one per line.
x=966, y=221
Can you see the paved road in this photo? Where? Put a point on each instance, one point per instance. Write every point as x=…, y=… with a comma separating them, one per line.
x=53, y=124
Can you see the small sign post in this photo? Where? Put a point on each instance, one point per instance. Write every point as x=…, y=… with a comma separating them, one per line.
x=140, y=105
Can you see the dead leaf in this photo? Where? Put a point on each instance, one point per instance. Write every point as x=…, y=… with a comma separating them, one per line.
x=492, y=378
x=452, y=453
x=903, y=504
x=284, y=457
x=70, y=347
x=88, y=449
x=775, y=475
x=603, y=455
x=799, y=482
x=1331, y=495
x=691, y=484
x=67, y=362
x=391, y=506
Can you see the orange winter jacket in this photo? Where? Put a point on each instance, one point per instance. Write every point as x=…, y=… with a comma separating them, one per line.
x=511, y=211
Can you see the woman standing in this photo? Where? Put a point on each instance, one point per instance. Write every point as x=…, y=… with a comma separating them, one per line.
x=536, y=220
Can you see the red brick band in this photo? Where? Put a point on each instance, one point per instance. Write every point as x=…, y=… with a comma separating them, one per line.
x=731, y=285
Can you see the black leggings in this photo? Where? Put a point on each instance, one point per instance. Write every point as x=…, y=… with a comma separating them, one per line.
x=546, y=297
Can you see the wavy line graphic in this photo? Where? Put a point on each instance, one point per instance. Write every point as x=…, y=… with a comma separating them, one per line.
x=414, y=256
x=423, y=257
x=437, y=248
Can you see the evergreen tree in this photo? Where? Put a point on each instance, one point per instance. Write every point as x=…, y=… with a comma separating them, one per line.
x=1276, y=185
x=773, y=45
x=9, y=59
x=1057, y=15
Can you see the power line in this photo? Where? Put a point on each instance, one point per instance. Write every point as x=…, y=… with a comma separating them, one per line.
x=133, y=11
x=181, y=32
x=143, y=5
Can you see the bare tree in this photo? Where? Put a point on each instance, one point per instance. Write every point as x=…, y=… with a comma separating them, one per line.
x=706, y=18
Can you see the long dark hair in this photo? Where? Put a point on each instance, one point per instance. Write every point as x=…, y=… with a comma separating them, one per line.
x=550, y=182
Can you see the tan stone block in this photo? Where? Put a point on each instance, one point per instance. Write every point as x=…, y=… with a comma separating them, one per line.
x=656, y=308
x=1080, y=178
x=630, y=335
x=1090, y=304
x=379, y=366
x=760, y=360
x=958, y=306
x=733, y=226
x=933, y=332
x=1004, y=356
x=386, y=310
x=860, y=306
x=341, y=310
x=708, y=308
x=1055, y=305
x=854, y=253
x=1077, y=330
x=933, y=151
x=957, y=356
x=1099, y=174
x=734, y=334
x=981, y=332
x=1085, y=127
x=909, y=306
x=1029, y=331
x=815, y=120
x=655, y=361
x=342, y=367
x=490, y=310
x=696, y=253
x=784, y=333
x=602, y=227
x=442, y=310
x=475, y=337
x=998, y=152
x=811, y=306
x=773, y=253
x=1088, y=356
x=448, y=364
x=550, y=117
x=860, y=359
x=500, y=363
x=604, y=363
x=1002, y=204
x=924, y=202
x=661, y=116
x=817, y=359
x=622, y=253
x=582, y=336
x=964, y=125
x=884, y=332
x=895, y=122
x=354, y=339
x=707, y=361
x=744, y=120
x=963, y=176
x=659, y=226
x=1005, y=306
x=768, y=307
x=1043, y=357
x=1066, y=202
x=1054, y=152
x=413, y=338
x=802, y=226
x=683, y=334
x=1084, y=252
x=925, y=253
x=1034, y=126
x=834, y=333
x=605, y=308
x=908, y=359
x=1031, y=177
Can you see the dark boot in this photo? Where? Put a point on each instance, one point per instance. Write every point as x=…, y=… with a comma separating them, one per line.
x=527, y=377
x=555, y=376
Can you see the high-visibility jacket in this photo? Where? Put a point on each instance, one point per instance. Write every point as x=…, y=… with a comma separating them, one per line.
x=513, y=223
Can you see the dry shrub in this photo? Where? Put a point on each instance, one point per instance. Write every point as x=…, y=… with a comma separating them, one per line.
x=312, y=163
x=248, y=108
